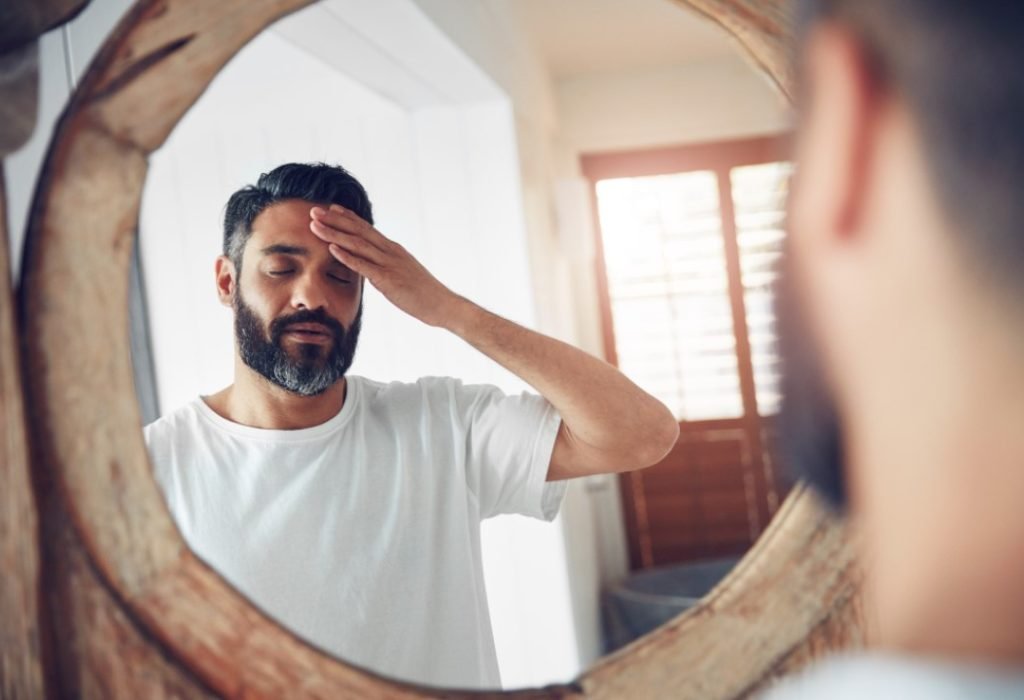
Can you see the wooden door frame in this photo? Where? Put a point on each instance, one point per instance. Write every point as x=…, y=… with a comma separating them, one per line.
x=718, y=157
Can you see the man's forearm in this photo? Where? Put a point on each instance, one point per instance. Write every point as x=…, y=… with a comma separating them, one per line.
x=612, y=424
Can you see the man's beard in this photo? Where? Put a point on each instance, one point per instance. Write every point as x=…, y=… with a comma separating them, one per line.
x=810, y=436
x=313, y=368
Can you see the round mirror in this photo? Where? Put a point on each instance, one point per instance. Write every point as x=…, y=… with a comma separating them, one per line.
x=546, y=185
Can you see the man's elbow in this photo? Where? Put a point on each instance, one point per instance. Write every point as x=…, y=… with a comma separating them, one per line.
x=664, y=438
x=654, y=439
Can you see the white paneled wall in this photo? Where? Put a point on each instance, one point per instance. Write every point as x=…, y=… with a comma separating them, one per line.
x=718, y=98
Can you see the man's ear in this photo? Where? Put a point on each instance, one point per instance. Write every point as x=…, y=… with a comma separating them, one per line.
x=227, y=280
x=841, y=101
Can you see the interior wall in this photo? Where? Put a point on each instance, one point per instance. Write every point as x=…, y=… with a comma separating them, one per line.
x=719, y=98
x=489, y=33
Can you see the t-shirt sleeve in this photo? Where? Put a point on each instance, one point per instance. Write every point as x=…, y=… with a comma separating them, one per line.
x=509, y=440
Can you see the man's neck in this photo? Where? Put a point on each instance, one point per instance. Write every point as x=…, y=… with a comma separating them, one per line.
x=256, y=402
x=938, y=481
x=944, y=577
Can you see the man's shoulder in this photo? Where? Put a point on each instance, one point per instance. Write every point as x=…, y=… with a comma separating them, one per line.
x=184, y=417
x=445, y=398
x=428, y=387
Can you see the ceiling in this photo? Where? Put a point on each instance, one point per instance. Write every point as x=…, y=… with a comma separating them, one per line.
x=580, y=37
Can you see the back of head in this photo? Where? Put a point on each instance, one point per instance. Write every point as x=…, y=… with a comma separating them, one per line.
x=952, y=67
x=900, y=326
x=313, y=182
x=958, y=67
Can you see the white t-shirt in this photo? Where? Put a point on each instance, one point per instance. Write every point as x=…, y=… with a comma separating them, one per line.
x=362, y=534
x=890, y=677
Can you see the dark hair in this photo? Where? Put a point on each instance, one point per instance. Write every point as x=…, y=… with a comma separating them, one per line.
x=958, y=67
x=314, y=182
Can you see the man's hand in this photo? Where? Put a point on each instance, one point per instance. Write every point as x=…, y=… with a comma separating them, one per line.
x=389, y=267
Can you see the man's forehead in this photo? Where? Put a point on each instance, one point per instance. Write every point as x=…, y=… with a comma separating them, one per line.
x=288, y=212
x=284, y=224
x=284, y=249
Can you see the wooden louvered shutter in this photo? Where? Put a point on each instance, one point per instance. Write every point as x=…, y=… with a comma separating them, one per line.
x=689, y=238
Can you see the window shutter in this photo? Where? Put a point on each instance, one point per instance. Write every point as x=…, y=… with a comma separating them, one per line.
x=669, y=292
x=759, y=200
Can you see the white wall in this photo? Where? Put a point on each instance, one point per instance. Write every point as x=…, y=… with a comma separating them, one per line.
x=715, y=99
x=488, y=32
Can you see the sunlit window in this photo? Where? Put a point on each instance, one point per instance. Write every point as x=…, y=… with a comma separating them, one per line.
x=759, y=196
x=664, y=245
x=669, y=291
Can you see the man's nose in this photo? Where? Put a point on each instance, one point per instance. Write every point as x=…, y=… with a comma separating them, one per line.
x=308, y=293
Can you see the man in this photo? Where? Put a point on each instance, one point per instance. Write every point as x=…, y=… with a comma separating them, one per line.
x=349, y=509
x=903, y=333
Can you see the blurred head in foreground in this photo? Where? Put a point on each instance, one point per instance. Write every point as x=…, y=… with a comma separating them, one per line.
x=902, y=309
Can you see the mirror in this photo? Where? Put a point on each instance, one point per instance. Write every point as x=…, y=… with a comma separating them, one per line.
x=484, y=159
x=793, y=597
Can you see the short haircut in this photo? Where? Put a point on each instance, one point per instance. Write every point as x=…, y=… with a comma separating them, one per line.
x=959, y=67
x=317, y=183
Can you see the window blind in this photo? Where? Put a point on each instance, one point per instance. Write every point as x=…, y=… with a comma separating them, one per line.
x=668, y=287
x=759, y=200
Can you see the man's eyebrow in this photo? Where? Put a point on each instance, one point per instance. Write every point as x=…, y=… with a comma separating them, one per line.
x=282, y=249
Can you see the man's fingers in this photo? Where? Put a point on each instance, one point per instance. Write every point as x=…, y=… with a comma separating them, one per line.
x=359, y=265
x=348, y=221
x=336, y=220
x=355, y=244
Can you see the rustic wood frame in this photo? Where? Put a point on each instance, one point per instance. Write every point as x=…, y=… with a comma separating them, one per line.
x=126, y=609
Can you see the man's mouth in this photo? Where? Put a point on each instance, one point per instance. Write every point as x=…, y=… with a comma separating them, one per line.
x=308, y=332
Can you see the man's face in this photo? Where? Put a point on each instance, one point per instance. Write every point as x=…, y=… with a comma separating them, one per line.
x=297, y=309
x=824, y=315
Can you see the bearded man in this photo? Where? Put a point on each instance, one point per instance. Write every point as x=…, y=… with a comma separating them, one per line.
x=349, y=509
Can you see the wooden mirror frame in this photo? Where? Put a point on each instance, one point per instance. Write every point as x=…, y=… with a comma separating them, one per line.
x=132, y=612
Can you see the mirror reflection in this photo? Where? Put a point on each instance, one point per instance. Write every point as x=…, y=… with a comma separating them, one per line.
x=378, y=261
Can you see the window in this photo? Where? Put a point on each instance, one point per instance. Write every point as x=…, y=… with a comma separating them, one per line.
x=669, y=291
x=759, y=195
x=668, y=284
x=688, y=248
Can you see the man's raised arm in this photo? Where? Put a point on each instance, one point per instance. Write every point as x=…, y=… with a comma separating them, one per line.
x=609, y=424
